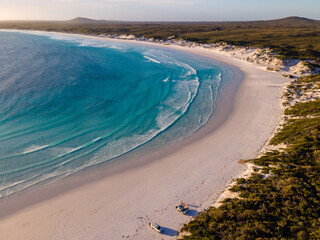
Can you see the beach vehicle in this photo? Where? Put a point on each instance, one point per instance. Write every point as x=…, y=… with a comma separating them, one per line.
x=156, y=227
x=182, y=207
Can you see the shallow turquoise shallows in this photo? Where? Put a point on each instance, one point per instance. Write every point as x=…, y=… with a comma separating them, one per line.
x=69, y=102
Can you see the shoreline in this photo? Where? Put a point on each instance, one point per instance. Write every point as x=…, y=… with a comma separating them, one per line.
x=198, y=180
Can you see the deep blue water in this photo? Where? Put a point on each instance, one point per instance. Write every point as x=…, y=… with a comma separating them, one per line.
x=68, y=102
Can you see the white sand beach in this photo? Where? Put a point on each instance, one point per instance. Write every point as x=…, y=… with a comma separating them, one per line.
x=118, y=199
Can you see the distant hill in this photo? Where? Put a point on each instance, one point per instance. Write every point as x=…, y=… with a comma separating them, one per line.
x=82, y=20
x=293, y=21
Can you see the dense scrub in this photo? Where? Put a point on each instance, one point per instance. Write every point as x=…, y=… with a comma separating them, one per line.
x=284, y=206
x=309, y=79
x=290, y=37
x=305, y=109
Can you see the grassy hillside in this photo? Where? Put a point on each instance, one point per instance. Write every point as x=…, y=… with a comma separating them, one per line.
x=292, y=37
x=283, y=205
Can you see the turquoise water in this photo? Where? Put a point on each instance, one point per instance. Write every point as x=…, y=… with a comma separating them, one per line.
x=69, y=102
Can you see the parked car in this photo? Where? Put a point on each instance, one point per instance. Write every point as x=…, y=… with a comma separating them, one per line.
x=156, y=227
x=182, y=208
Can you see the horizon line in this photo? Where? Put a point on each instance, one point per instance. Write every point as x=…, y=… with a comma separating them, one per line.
x=155, y=21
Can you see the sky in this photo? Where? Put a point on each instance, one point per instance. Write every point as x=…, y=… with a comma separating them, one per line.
x=158, y=10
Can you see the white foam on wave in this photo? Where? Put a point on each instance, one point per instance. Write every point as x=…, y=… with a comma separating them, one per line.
x=190, y=70
x=123, y=145
x=34, y=148
x=5, y=189
x=75, y=149
x=186, y=85
x=165, y=59
x=151, y=59
x=62, y=151
x=83, y=45
x=17, y=186
x=175, y=106
x=97, y=139
x=183, y=91
x=165, y=118
x=98, y=43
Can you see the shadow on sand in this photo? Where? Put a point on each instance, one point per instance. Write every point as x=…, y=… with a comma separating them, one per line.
x=193, y=213
x=169, y=232
x=193, y=206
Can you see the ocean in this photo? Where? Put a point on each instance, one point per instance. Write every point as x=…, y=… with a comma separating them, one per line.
x=69, y=102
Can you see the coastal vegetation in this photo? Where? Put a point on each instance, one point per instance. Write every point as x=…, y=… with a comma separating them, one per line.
x=305, y=109
x=291, y=37
x=281, y=199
